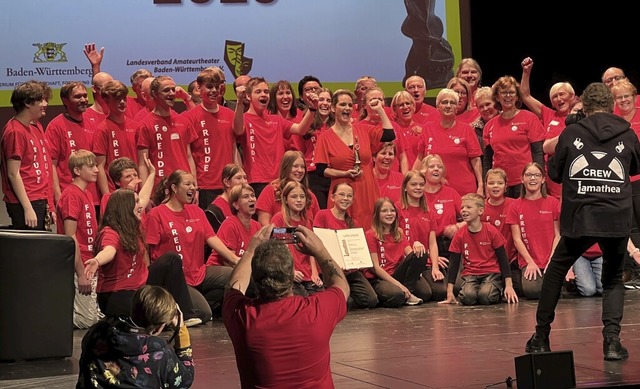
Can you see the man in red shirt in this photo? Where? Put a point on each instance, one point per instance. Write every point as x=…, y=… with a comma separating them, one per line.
x=116, y=136
x=417, y=88
x=215, y=146
x=282, y=340
x=25, y=164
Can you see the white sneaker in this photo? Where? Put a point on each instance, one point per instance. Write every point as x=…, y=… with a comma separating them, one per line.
x=194, y=321
x=413, y=300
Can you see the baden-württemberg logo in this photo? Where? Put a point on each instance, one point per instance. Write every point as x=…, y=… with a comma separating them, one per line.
x=49, y=52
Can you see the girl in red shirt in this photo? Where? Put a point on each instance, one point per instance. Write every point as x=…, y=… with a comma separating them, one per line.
x=294, y=213
x=396, y=268
x=122, y=262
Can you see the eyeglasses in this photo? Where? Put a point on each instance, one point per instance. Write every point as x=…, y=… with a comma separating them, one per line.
x=311, y=89
x=344, y=195
x=614, y=78
x=508, y=93
x=624, y=97
x=533, y=175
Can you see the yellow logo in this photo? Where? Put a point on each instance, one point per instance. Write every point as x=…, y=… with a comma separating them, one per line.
x=49, y=52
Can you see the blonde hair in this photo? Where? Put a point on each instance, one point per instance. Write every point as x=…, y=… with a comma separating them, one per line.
x=476, y=198
x=80, y=158
x=153, y=306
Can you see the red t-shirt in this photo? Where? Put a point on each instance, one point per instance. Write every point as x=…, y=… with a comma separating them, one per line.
x=413, y=140
x=308, y=147
x=456, y=146
x=224, y=206
x=263, y=145
x=426, y=114
x=536, y=220
x=184, y=232
x=301, y=262
x=133, y=107
x=325, y=219
x=116, y=140
x=214, y=145
x=468, y=116
x=92, y=118
x=478, y=250
x=77, y=204
x=125, y=271
x=267, y=202
x=511, y=142
x=141, y=115
x=390, y=253
x=26, y=144
x=284, y=343
x=376, y=145
x=496, y=215
x=554, y=124
x=166, y=138
x=444, y=207
x=391, y=186
x=416, y=224
x=235, y=236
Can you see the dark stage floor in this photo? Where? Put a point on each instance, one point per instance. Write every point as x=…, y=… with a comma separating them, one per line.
x=428, y=346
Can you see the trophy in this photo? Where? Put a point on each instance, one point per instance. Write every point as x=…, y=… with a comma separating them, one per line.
x=356, y=154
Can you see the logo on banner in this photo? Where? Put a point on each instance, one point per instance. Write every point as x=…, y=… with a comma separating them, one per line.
x=49, y=52
x=238, y=64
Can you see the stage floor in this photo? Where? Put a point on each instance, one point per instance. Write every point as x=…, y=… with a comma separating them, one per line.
x=427, y=346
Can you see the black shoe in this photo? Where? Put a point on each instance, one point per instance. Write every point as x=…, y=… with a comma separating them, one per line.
x=538, y=344
x=613, y=350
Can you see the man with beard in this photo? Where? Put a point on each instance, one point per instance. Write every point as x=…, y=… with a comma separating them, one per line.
x=69, y=132
x=116, y=136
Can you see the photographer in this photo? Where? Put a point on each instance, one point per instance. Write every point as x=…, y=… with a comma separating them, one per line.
x=288, y=346
x=128, y=352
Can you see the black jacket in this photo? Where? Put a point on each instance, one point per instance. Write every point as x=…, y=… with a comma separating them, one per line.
x=593, y=160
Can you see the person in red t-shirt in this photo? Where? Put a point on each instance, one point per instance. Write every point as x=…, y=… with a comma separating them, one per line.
x=487, y=109
x=444, y=211
x=480, y=247
x=465, y=112
x=271, y=335
x=122, y=262
x=164, y=135
x=136, y=104
x=457, y=145
x=179, y=225
x=513, y=138
x=282, y=103
x=232, y=175
x=292, y=168
x=25, y=165
x=337, y=217
x=535, y=226
x=215, y=145
x=116, y=136
x=263, y=135
x=417, y=88
x=307, y=143
x=396, y=268
x=470, y=71
x=98, y=111
x=389, y=181
x=124, y=173
x=415, y=221
x=404, y=114
x=77, y=219
x=149, y=102
x=293, y=213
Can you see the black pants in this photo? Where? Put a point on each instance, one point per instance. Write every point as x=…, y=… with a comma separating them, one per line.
x=166, y=272
x=566, y=253
x=407, y=273
x=16, y=213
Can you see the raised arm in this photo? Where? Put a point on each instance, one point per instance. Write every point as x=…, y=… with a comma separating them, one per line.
x=94, y=56
x=241, y=275
x=238, y=117
x=525, y=90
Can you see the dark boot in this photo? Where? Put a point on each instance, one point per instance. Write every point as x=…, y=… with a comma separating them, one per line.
x=613, y=350
x=538, y=344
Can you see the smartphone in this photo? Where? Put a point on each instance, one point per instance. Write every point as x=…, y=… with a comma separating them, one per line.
x=284, y=234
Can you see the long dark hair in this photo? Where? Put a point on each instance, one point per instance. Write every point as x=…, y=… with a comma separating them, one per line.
x=119, y=216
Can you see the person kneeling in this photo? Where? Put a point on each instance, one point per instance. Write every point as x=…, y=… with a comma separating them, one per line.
x=485, y=259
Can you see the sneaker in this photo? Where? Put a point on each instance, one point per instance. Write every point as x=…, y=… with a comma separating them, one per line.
x=194, y=321
x=633, y=283
x=538, y=344
x=413, y=300
x=613, y=350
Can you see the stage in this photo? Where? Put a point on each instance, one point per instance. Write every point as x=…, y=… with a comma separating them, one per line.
x=427, y=346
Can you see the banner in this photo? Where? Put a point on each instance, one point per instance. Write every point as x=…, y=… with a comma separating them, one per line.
x=337, y=41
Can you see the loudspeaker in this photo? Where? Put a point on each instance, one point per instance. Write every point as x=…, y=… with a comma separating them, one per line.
x=552, y=370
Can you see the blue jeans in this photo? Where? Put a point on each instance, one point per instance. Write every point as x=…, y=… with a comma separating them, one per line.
x=588, y=276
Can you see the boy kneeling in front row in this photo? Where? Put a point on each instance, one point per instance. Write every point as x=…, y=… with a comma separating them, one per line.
x=485, y=265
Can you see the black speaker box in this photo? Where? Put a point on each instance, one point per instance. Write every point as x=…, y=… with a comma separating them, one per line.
x=552, y=370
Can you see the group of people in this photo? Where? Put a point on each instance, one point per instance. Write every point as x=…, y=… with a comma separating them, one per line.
x=461, y=202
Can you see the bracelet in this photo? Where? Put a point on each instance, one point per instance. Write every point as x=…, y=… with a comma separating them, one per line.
x=312, y=109
x=98, y=262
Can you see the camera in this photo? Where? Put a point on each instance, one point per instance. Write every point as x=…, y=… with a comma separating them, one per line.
x=285, y=235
